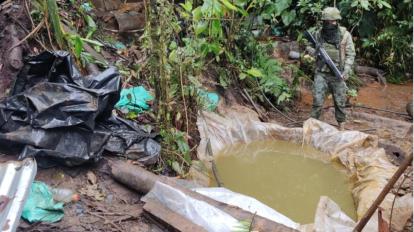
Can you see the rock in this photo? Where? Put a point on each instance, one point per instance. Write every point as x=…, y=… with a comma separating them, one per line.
x=409, y=108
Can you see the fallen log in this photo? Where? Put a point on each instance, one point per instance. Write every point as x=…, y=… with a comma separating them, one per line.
x=370, y=71
x=142, y=181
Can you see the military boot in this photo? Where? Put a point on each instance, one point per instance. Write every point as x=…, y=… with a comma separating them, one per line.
x=341, y=126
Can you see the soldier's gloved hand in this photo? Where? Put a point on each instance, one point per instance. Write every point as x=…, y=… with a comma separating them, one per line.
x=346, y=73
x=311, y=51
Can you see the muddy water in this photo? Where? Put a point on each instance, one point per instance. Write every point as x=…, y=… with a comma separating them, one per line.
x=277, y=174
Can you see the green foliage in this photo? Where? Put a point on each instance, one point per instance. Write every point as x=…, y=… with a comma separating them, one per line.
x=352, y=93
x=53, y=12
x=390, y=43
x=261, y=72
x=243, y=226
x=214, y=40
x=383, y=27
x=178, y=151
x=277, y=11
x=72, y=41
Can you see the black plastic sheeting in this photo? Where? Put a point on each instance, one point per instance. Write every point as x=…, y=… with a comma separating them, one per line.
x=56, y=115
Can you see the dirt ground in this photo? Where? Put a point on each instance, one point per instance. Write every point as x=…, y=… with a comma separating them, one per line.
x=104, y=205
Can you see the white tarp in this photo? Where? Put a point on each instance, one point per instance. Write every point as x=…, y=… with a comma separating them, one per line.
x=358, y=152
x=247, y=203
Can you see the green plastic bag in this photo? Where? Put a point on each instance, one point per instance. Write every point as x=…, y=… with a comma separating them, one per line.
x=40, y=206
x=134, y=99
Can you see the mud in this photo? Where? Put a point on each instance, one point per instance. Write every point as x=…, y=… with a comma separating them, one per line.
x=278, y=174
x=391, y=97
x=13, y=21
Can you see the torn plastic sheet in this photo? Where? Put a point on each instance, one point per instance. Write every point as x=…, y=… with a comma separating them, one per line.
x=357, y=152
x=55, y=114
x=329, y=217
x=247, y=203
x=199, y=212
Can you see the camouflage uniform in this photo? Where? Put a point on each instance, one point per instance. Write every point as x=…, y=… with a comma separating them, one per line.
x=343, y=55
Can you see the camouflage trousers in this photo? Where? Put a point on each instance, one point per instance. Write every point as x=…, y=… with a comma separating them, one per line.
x=324, y=83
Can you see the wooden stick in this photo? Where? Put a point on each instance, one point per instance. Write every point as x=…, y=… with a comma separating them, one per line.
x=185, y=104
x=271, y=104
x=213, y=164
x=37, y=28
x=393, y=201
x=364, y=220
x=252, y=102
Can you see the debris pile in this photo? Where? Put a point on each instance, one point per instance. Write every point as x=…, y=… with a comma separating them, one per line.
x=55, y=114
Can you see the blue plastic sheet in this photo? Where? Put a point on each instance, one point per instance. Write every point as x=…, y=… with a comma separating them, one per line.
x=211, y=99
x=134, y=99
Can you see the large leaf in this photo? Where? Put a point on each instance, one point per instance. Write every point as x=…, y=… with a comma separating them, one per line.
x=91, y=26
x=214, y=48
x=254, y=72
x=288, y=17
x=188, y=6
x=240, y=3
x=201, y=27
x=173, y=57
x=283, y=97
x=364, y=4
x=229, y=5
x=207, y=48
x=212, y=8
x=54, y=18
x=216, y=30
x=384, y=3
x=78, y=44
x=184, y=149
x=281, y=5
x=197, y=14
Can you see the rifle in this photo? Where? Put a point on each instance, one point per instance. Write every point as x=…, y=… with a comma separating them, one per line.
x=320, y=51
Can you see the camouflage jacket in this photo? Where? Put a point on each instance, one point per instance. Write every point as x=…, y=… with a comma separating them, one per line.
x=343, y=55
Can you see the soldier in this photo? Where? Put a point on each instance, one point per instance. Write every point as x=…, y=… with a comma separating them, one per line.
x=337, y=42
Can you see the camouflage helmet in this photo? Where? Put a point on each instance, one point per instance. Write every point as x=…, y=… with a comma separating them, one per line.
x=331, y=13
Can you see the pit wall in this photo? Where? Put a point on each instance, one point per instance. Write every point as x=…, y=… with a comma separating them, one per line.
x=365, y=163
